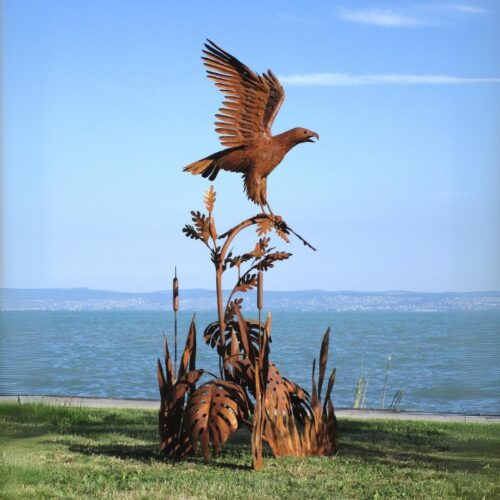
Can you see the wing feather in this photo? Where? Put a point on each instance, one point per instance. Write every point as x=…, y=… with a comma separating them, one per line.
x=251, y=101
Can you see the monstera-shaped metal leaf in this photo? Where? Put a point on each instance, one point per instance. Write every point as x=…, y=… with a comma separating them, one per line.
x=284, y=397
x=212, y=335
x=213, y=413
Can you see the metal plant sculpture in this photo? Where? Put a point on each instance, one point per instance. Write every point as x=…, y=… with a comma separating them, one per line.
x=249, y=389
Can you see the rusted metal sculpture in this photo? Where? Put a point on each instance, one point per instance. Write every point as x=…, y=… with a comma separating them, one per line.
x=249, y=389
x=244, y=124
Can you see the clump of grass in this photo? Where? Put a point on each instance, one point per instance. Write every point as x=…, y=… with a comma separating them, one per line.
x=396, y=400
x=360, y=393
x=359, y=401
x=382, y=400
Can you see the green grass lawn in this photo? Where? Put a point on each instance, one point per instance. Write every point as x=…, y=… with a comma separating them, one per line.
x=68, y=452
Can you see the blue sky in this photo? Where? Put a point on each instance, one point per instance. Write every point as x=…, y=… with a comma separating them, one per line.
x=105, y=102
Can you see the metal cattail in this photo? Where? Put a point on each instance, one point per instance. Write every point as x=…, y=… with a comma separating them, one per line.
x=175, y=307
x=258, y=418
x=260, y=305
x=260, y=290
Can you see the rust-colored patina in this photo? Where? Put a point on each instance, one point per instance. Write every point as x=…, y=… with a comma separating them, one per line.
x=244, y=124
x=249, y=390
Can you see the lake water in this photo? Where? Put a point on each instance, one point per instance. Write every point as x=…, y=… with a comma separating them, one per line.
x=447, y=361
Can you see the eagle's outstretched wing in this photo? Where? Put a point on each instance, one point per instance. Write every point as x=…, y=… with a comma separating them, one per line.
x=252, y=100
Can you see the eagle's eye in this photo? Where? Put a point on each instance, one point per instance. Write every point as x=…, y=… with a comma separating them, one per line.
x=305, y=131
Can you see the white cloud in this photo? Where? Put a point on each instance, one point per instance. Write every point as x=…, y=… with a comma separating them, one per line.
x=347, y=80
x=468, y=9
x=418, y=15
x=379, y=17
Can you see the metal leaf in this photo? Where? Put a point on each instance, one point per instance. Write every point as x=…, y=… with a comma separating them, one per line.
x=162, y=384
x=209, y=199
x=215, y=256
x=188, y=360
x=323, y=358
x=314, y=392
x=329, y=388
x=283, y=229
x=174, y=442
x=170, y=373
x=186, y=383
x=268, y=261
x=281, y=233
x=264, y=225
x=213, y=413
x=190, y=232
x=211, y=335
x=245, y=337
x=202, y=225
x=246, y=282
x=237, y=260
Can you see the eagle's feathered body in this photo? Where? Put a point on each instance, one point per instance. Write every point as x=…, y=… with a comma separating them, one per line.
x=244, y=124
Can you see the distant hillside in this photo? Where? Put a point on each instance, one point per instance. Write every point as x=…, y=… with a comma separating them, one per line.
x=83, y=299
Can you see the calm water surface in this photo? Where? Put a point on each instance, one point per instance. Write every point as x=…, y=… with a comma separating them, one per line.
x=442, y=361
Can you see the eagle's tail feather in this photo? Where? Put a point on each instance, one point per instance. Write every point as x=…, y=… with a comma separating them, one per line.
x=211, y=165
x=206, y=167
x=198, y=167
x=211, y=171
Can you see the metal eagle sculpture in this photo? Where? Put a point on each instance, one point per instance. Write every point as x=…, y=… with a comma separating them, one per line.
x=249, y=389
x=244, y=124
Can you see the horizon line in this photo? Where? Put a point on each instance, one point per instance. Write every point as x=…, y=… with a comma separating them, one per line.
x=166, y=290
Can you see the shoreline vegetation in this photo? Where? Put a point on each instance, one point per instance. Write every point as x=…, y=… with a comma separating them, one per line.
x=75, y=451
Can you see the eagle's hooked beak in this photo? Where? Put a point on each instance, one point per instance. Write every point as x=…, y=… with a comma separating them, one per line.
x=312, y=134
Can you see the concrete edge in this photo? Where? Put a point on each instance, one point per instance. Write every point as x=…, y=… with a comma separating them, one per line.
x=340, y=412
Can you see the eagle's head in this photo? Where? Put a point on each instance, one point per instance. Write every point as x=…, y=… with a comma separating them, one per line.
x=300, y=134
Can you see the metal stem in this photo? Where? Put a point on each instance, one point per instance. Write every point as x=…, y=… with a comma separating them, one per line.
x=175, y=306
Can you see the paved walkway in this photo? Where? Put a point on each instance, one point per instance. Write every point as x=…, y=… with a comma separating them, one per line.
x=340, y=412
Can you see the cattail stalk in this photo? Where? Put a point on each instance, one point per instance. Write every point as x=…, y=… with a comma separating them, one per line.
x=258, y=410
x=260, y=290
x=260, y=300
x=175, y=306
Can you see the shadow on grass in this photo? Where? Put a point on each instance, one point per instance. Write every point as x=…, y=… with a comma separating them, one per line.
x=375, y=442
x=407, y=445
x=233, y=455
x=151, y=453
x=398, y=443
x=142, y=453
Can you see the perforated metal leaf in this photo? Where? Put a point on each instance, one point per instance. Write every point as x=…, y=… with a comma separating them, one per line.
x=213, y=413
x=211, y=335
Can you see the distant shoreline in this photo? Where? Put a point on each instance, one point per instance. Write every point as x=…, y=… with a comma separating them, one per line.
x=82, y=299
x=210, y=290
